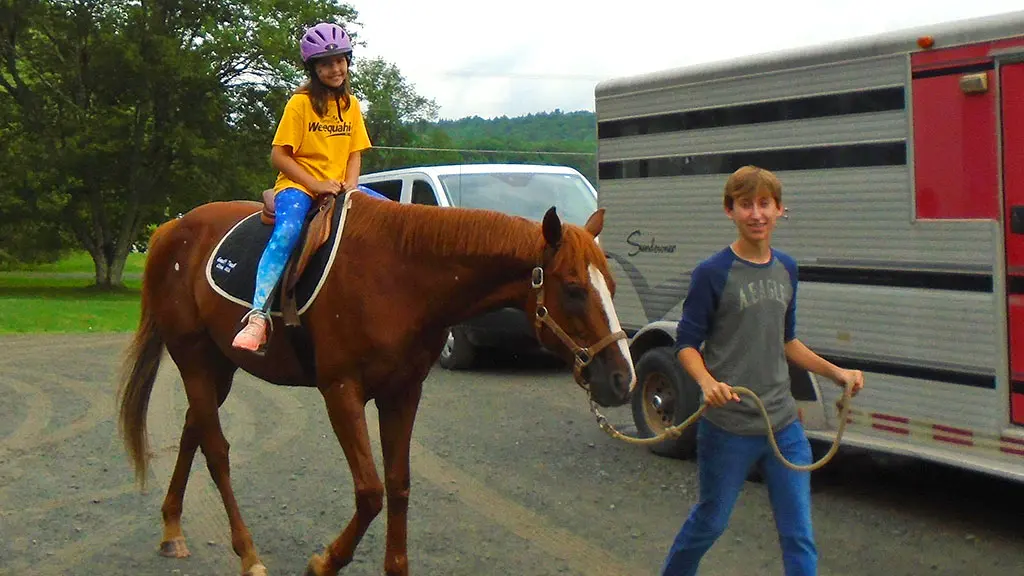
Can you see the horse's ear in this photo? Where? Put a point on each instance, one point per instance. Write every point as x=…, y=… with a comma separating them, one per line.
x=552, y=227
x=595, y=223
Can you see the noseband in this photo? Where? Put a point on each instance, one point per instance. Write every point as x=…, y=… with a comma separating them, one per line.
x=583, y=356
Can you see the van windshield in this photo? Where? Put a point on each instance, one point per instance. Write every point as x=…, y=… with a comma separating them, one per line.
x=523, y=194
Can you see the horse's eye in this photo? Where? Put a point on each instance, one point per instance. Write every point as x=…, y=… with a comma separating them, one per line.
x=575, y=298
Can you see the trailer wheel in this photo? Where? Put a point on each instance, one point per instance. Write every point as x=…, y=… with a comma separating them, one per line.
x=665, y=396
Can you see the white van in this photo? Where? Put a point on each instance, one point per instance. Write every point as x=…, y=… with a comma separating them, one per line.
x=526, y=190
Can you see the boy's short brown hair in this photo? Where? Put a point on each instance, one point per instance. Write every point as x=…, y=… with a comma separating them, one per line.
x=749, y=181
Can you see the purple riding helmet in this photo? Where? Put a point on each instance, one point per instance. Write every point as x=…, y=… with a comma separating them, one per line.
x=324, y=39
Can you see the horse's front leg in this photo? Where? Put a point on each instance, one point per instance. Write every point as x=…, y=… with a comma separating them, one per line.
x=345, y=407
x=397, y=415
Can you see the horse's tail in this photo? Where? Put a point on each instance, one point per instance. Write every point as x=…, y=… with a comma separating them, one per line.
x=138, y=373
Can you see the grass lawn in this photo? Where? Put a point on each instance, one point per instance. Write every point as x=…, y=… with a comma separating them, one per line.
x=59, y=297
x=81, y=263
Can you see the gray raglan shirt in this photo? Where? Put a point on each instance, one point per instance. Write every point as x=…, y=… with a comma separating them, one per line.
x=744, y=313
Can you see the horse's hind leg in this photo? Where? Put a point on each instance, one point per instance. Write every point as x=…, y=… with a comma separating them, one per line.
x=207, y=376
x=173, y=543
x=345, y=406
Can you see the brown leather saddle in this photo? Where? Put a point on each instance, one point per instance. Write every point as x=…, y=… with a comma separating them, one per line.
x=316, y=232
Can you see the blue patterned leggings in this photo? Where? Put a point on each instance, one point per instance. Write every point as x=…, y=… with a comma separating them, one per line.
x=290, y=208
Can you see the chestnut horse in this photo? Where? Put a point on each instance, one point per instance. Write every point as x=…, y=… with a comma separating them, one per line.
x=403, y=274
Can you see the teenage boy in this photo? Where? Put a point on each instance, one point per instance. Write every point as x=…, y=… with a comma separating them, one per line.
x=741, y=306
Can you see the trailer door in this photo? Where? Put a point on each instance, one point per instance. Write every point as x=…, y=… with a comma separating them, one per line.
x=1012, y=96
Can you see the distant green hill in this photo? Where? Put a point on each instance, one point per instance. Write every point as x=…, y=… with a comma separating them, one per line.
x=557, y=126
x=541, y=132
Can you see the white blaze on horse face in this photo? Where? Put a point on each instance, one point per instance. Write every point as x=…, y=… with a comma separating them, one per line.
x=597, y=281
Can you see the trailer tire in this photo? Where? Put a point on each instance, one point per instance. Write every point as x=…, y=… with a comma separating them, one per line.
x=665, y=396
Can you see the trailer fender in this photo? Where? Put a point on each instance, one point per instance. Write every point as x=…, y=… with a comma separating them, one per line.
x=805, y=387
x=653, y=335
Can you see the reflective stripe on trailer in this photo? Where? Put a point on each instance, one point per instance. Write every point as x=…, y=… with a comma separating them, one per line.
x=1012, y=446
x=942, y=433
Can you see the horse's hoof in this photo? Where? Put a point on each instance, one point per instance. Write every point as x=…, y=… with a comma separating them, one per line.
x=257, y=569
x=315, y=566
x=174, y=548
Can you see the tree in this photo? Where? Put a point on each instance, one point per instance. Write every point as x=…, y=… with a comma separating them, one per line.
x=137, y=111
x=28, y=233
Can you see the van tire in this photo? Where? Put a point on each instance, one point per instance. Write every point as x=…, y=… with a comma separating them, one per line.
x=665, y=396
x=458, y=353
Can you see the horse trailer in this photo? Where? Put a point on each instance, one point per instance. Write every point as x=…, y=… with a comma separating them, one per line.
x=902, y=162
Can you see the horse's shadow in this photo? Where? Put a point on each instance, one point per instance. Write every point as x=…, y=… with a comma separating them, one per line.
x=503, y=362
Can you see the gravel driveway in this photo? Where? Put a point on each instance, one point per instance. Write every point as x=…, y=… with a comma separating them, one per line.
x=511, y=476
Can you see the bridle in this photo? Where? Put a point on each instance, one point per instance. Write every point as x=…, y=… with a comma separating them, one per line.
x=582, y=356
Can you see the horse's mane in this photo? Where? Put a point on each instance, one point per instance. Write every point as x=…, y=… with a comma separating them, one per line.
x=420, y=229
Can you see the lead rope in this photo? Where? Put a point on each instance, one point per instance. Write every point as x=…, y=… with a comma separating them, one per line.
x=583, y=357
x=842, y=405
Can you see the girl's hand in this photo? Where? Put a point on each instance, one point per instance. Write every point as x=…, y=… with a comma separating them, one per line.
x=718, y=394
x=326, y=187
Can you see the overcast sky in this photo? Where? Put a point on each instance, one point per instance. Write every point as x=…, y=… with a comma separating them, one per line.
x=490, y=58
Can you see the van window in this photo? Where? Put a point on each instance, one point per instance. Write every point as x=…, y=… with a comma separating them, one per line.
x=423, y=193
x=523, y=194
x=390, y=188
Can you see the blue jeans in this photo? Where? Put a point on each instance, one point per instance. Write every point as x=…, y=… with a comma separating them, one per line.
x=290, y=208
x=724, y=461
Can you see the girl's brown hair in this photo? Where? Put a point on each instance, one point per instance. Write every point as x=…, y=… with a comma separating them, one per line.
x=320, y=93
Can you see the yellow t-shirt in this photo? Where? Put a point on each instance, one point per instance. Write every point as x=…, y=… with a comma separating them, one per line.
x=320, y=145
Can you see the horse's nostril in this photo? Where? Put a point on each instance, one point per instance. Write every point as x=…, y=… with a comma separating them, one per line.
x=620, y=380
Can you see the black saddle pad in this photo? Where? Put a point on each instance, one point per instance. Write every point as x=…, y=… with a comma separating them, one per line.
x=232, y=269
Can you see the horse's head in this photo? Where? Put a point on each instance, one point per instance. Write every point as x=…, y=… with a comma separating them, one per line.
x=573, y=309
